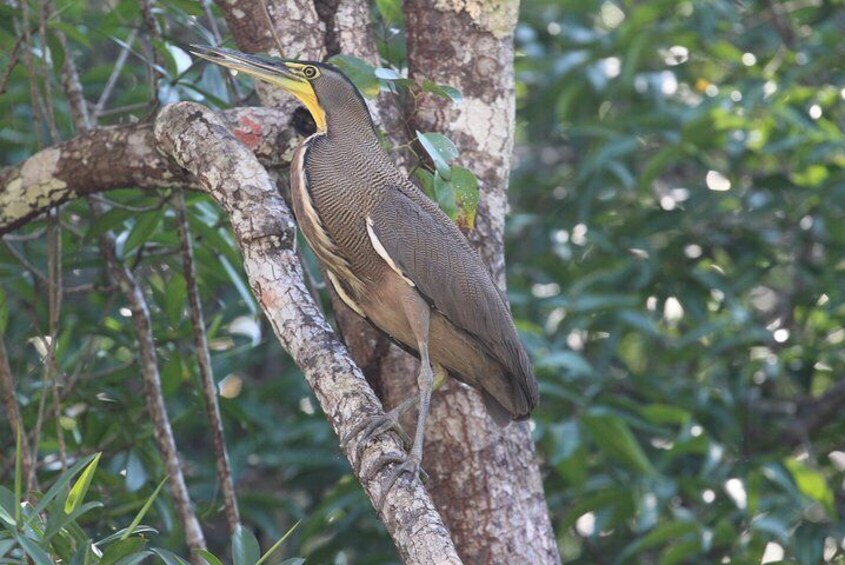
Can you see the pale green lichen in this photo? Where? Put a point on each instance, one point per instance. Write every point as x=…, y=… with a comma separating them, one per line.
x=34, y=187
x=495, y=16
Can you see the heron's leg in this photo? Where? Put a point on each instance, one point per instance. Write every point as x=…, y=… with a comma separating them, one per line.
x=419, y=315
x=370, y=428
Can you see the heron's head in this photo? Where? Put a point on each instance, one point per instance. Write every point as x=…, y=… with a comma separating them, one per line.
x=321, y=87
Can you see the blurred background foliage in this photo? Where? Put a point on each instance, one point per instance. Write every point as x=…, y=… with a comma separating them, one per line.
x=675, y=256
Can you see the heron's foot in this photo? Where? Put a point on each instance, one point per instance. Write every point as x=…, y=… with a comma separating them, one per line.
x=372, y=427
x=409, y=464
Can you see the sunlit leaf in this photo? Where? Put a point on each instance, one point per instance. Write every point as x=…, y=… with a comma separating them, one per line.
x=80, y=488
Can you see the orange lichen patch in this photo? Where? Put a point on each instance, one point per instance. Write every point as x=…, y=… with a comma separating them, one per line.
x=248, y=132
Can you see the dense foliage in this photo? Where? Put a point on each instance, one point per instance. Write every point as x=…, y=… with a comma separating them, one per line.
x=675, y=259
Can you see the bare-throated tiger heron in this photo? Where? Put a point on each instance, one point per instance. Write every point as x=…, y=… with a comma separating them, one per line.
x=389, y=252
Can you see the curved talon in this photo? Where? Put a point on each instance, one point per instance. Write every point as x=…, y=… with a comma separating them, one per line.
x=372, y=427
x=409, y=465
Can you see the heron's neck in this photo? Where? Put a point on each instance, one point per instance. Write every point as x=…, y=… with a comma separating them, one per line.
x=349, y=121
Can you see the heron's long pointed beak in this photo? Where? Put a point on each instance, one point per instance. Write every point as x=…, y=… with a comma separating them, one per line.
x=267, y=69
x=277, y=72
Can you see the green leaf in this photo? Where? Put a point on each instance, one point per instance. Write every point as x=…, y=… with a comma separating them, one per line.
x=80, y=489
x=465, y=188
x=613, y=436
x=4, y=311
x=119, y=534
x=242, y=289
x=70, y=31
x=443, y=90
x=60, y=485
x=385, y=73
x=5, y=546
x=142, y=512
x=293, y=561
x=168, y=557
x=444, y=194
x=812, y=484
x=35, y=552
x=134, y=558
x=143, y=229
x=121, y=549
x=245, y=549
x=426, y=180
x=361, y=73
x=390, y=10
x=56, y=521
x=278, y=543
x=441, y=150
x=175, y=299
x=18, y=474
x=111, y=220
x=209, y=557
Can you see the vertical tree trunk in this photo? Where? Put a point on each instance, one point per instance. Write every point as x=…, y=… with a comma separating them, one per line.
x=484, y=480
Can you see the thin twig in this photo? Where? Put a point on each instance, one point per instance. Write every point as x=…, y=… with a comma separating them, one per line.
x=29, y=63
x=25, y=262
x=163, y=432
x=218, y=40
x=10, y=404
x=54, y=299
x=162, y=429
x=46, y=78
x=155, y=70
x=224, y=471
x=272, y=28
x=115, y=73
x=13, y=61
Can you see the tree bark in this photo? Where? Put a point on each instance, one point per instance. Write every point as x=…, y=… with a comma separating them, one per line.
x=484, y=480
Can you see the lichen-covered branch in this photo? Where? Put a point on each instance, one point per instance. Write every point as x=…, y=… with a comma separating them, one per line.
x=121, y=157
x=263, y=225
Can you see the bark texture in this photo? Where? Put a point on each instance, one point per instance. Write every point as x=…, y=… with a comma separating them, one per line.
x=199, y=141
x=485, y=481
x=119, y=157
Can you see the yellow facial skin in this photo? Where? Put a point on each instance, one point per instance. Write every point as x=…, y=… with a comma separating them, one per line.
x=290, y=76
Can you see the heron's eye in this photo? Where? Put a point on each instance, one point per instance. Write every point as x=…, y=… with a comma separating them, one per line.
x=309, y=72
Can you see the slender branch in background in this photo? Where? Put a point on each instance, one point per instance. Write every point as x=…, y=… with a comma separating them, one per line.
x=29, y=63
x=10, y=405
x=115, y=74
x=134, y=295
x=45, y=68
x=155, y=69
x=148, y=363
x=224, y=471
x=13, y=61
x=54, y=300
x=218, y=40
x=33, y=270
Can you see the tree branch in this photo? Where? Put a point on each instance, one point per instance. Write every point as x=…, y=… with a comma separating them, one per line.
x=264, y=228
x=148, y=362
x=209, y=391
x=120, y=157
x=10, y=404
